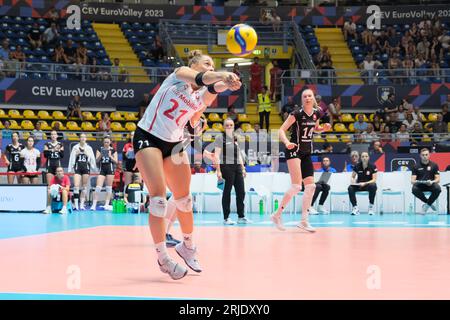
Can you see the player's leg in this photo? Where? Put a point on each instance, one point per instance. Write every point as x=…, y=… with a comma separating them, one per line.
x=83, y=191
x=98, y=188
x=171, y=216
x=296, y=187
x=307, y=171
x=178, y=177
x=108, y=186
x=76, y=190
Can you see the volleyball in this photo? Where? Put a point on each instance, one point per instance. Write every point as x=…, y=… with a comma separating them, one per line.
x=241, y=40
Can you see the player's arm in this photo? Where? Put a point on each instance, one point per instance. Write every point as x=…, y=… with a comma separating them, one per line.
x=437, y=178
x=61, y=152
x=125, y=194
x=7, y=156
x=353, y=180
x=414, y=176
x=191, y=76
x=285, y=127
x=114, y=158
x=98, y=155
x=47, y=152
x=322, y=128
x=216, y=161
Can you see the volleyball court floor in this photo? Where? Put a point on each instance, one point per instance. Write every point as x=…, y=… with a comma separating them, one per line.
x=98, y=255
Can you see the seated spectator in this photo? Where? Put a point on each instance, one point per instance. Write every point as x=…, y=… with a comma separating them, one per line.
x=78, y=68
x=367, y=37
x=445, y=113
x=18, y=55
x=369, y=135
x=197, y=167
x=58, y=191
x=334, y=109
x=425, y=177
x=35, y=36
x=349, y=29
x=410, y=122
x=385, y=135
x=94, y=70
x=53, y=15
x=260, y=133
x=395, y=66
x=104, y=73
x=417, y=133
x=420, y=61
x=401, y=115
x=377, y=123
x=393, y=123
x=6, y=131
x=118, y=71
x=354, y=156
x=81, y=53
x=418, y=115
x=59, y=55
x=74, y=108
x=104, y=125
x=323, y=109
x=389, y=105
x=423, y=48
x=70, y=52
x=133, y=194
x=157, y=49
x=369, y=65
x=439, y=126
x=51, y=36
x=326, y=166
x=360, y=125
x=328, y=75
x=289, y=107
x=37, y=133
x=403, y=134
x=4, y=50
x=364, y=178
x=377, y=148
x=327, y=148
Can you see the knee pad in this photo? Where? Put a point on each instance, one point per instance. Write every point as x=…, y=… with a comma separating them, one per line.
x=83, y=190
x=76, y=190
x=98, y=189
x=108, y=189
x=184, y=204
x=158, y=206
x=295, y=188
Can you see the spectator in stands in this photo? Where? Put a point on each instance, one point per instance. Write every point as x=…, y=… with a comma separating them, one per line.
x=58, y=190
x=70, y=52
x=264, y=107
x=328, y=74
x=323, y=109
x=4, y=60
x=260, y=133
x=439, y=126
x=118, y=71
x=327, y=148
x=377, y=123
x=232, y=114
x=74, y=108
x=445, y=113
x=385, y=135
x=79, y=69
x=369, y=134
x=409, y=122
x=256, y=73
x=425, y=178
x=369, y=65
x=393, y=123
x=418, y=115
x=31, y=159
x=144, y=104
x=53, y=15
x=360, y=125
x=37, y=133
x=197, y=167
x=435, y=69
x=335, y=110
x=276, y=21
x=367, y=37
x=408, y=64
x=377, y=148
x=349, y=29
x=323, y=56
x=104, y=125
x=4, y=50
x=94, y=70
x=35, y=36
x=6, y=131
x=394, y=66
x=420, y=61
x=436, y=48
x=18, y=54
x=157, y=48
x=417, y=133
x=275, y=81
x=326, y=166
x=59, y=55
x=389, y=105
x=81, y=53
x=289, y=107
x=51, y=36
x=401, y=114
x=236, y=71
x=423, y=48
x=383, y=42
x=354, y=156
x=403, y=134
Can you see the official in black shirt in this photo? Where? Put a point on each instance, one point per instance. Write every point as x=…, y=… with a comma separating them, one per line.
x=389, y=106
x=425, y=177
x=364, y=178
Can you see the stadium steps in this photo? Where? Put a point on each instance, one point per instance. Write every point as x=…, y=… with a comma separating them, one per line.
x=117, y=46
x=340, y=54
x=253, y=116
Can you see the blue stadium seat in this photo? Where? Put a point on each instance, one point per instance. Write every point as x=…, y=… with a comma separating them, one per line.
x=136, y=26
x=356, y=50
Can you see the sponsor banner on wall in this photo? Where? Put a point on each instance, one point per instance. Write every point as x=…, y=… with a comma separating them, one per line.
x=95, y=94
x=373, y=96
x=322, y=16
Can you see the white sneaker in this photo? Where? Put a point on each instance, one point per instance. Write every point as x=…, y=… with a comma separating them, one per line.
x=63, y=210
x=322, y=210
x=425, y=207
x=82, y=208
x=243, y=220
x=277, y=222
x=355, y=211
x=48, y=210
x=228, y=222
x=433, y=207
x=107, y=207
x=371, y=211
x=306, y=226
x=93, y=208
x=189, y=256
x=175, y=270
x=313, y=211
x=75, y=206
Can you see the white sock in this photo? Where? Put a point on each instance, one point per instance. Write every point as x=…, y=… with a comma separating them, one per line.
x=307, y=199
x=76, y=202
x=187, y=239
x=171, y=214
x=161, y=250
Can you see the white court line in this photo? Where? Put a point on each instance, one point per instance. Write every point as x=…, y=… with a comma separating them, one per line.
x=380, y=222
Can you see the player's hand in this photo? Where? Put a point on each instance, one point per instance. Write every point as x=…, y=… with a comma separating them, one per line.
x=234, y=86
x=290, y=145
x=219, y=175
x=109, y=154
x=229, y=78
x=429, y=183
x=244, y=173
x=326, y=127
x=7, y=163
x=362, y=184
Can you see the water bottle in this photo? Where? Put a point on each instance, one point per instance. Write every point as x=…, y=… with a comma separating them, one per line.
x=276, y=205
x=261, y=207
x=114, y=204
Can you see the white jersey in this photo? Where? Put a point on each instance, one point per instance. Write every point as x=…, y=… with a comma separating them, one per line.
x=30, y=159
x=171, y=108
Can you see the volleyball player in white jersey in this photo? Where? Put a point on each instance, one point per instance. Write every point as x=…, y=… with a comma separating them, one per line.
x=184, y=95
x=31, y=158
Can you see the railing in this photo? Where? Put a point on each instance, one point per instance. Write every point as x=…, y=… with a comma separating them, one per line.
x=53, y=71
x=301, y=51
x=376, y=76
x=168, y=44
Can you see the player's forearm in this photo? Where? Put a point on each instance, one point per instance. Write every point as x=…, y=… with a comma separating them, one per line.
x=282, y=136
x=188, y=75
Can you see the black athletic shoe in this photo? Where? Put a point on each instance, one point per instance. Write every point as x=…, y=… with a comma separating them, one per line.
x=170, y=241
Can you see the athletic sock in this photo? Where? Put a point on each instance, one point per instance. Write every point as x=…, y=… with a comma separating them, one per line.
x=187, y=240
x=161, y=250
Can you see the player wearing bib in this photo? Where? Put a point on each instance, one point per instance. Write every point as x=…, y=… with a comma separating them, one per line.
x=81, y=163
x=129, y=161
x=303, y=123
x=12, y=158
x=31, y=159
x=54, y=152
x=162, y=162
x=107, y=157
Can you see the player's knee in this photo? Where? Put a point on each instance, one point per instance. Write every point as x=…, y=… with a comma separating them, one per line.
x=158, y=206
x=76, y=190
x=436, y=188
x=98, y=189
x=325, y=187
x=294, y=189
x=108, y=189
x=372, y=186
x=184, y=204
x=310, y=187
